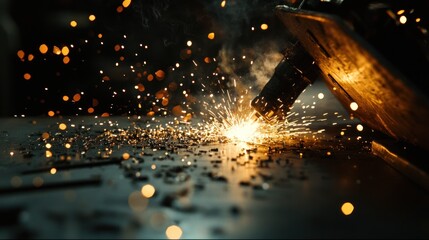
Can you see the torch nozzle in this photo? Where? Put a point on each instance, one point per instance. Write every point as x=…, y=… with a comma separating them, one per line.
x=292, y=75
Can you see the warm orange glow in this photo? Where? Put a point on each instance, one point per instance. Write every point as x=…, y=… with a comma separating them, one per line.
x=20, y=54
x=150, y=114
x=165, y=102
x=418, y=19
x=264, y=26
x=43, y=48
x=66, y=98
x=106, y=114
x=91, y=17
x=177, y=110
x=347, y=208
x=27, y=76
x=207, y=60
x=223, y=3
x=140, y=87
x=30, y=57
x=160, y=74
x=53, y=171
x=150, y=77
x=66, y=60
x=73, y=23
x=100, y=35
x=211, y=36
x=62, y=126
x=76, y=97
x=90, y=110
x=117, y=47
x=45, y=135
x=48, y=153
x=125, y=156
x=119, y=9
x=51, y=113
x=126, y=3
x=161, y=94
x=65, y=51
x=173, y=232
x=106, y=78
x=187, y=118
x=56, y=50
x=148, y=191
x=400, y=12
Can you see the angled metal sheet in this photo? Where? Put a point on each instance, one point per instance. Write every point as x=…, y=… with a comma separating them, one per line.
x=356, y=72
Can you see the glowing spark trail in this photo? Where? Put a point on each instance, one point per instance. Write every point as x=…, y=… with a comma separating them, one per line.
x=234, y=119
x=242, y=129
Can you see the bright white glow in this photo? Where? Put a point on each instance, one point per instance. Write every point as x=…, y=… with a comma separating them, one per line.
x=403, y=19
x=242, y=130
x=354, y=106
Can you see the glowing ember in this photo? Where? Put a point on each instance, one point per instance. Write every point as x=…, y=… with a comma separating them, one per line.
x=73, y=23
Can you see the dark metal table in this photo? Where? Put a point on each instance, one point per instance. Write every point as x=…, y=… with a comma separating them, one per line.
x=111, y=182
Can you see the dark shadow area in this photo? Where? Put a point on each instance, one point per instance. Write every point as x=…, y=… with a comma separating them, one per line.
x=128, y=59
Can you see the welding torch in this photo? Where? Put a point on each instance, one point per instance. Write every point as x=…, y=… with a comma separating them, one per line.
x=338, y=34
x=292, y=75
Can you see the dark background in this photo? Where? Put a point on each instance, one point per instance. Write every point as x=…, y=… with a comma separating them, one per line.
x=164, y=26
x=106, y=78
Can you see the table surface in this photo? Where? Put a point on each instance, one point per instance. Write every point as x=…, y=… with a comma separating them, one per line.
x=298, y=187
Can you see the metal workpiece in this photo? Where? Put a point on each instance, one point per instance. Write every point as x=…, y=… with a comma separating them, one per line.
x=385, y=97
x=373, y=56
x=123, y=179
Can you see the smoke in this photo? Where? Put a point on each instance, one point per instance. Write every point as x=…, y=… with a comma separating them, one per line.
x=263, y=67
x=245, y=53
x=248, y=54
x=265, y=57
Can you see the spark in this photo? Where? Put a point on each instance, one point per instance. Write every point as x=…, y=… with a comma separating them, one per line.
x=242, y=129
x=233, y=119
x=354, y=106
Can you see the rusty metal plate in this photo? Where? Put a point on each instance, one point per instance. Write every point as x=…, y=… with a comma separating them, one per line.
x=356, y=72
